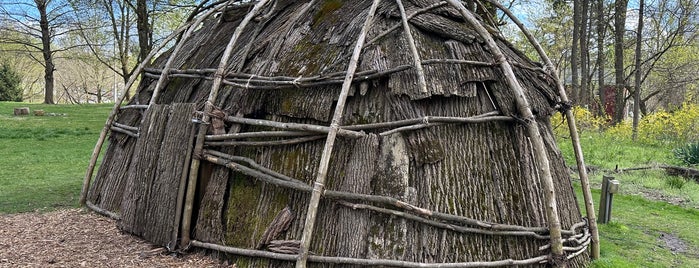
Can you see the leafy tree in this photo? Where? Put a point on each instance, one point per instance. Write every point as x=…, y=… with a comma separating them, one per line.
x=10, y=89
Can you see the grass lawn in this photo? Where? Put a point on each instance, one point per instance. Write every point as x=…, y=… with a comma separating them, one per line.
x=652, y=210
x=44, y=157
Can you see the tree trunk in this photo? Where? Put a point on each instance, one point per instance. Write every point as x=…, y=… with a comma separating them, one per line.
x=145, y=31
x=637, y=74
x=574, y=54
x=601, y=27
x=584, y=95
x=619, y=30
x=46, y=51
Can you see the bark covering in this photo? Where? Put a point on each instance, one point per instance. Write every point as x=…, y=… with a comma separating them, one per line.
x=484, y=171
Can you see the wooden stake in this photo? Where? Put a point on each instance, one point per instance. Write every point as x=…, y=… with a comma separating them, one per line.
x=327, y=150
x=538, y=146
x=574, y=137
x=208, y=107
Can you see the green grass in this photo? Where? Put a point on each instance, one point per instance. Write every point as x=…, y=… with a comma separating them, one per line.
x=44, y=157
x=632, y=238
x=649, y=205
x=604, y=154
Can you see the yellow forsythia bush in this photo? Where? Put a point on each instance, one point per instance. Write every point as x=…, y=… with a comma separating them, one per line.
x=584, y=121
x=677, y=127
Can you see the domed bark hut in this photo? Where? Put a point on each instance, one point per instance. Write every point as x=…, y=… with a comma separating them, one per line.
x=391, y=133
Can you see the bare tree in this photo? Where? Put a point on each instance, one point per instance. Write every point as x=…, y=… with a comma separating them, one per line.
x=637, y=79
x=601, y=27
x=584, y=95
x=619, y=31
x=36, y=27
x=575, y=55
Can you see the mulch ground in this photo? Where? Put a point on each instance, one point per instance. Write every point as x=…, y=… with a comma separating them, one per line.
x=77, y=238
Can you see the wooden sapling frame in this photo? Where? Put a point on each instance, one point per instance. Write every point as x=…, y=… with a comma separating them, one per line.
x=291, y=133
x=538, y=147
x=574, y=137
x=208, y=107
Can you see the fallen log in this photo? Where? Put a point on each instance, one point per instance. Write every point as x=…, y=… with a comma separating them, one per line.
x=686, y=172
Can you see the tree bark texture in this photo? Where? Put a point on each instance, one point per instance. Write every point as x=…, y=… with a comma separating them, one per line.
x=47, y=53
x=601, y=30
x=145, y=31
x=620, y=83
x=574, y=53
x=146, y=195
x=484, y=171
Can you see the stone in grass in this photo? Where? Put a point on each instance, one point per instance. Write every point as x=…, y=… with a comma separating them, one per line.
x=39, y=112
x=21, y=111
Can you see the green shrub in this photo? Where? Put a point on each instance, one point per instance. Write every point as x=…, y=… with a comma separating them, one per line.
x=688, y=154
x=9, y=84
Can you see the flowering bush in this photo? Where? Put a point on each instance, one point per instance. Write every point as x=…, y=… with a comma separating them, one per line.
x=584, y=121
x=660, y=128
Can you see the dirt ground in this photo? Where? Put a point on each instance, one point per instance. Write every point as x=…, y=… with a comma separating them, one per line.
x=77, y=238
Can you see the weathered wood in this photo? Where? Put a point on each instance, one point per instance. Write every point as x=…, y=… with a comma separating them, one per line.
x=532, y=126
x=575, y=139
x=688, y=173
x=149, y=203
x=462, y=174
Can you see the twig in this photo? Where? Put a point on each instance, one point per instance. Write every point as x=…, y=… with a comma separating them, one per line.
x=265, y=143
x=421, y=83
x=293, y=126
x=134, y=107
x=124, y=131
x=261, y=134
x=442, y=225
x=134, y=129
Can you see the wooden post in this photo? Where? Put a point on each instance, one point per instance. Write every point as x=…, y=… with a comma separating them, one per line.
x=610, y=186
x=575, y=139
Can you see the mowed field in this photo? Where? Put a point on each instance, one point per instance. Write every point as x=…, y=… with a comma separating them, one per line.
x=43, y=158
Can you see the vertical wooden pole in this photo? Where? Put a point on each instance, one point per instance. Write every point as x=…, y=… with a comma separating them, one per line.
x=575, y=138
x=319, y=183
x=532, y=127
x=208, y=107
x=421, y=82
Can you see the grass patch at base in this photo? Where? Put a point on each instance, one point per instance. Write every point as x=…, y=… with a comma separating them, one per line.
x=634, y=237
x=44, y=157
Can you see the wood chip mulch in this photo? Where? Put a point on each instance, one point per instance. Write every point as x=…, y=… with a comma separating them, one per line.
x=77, y=238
